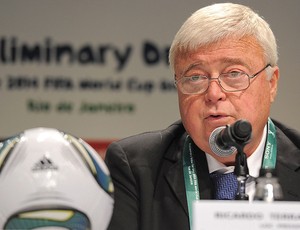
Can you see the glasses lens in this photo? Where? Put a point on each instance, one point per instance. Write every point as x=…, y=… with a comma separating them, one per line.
x=194, y=84
x=234, y=81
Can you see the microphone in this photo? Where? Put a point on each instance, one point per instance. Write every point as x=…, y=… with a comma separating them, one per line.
x=225, y=140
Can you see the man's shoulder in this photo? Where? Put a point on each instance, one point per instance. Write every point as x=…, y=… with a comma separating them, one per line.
x=292, y=134
x=148, y=146
x=154, y=137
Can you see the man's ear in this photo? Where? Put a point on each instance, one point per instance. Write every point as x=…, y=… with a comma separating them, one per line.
x=274, y=83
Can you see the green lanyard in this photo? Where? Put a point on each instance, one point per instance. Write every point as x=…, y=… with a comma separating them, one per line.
x=270, y=153
x=189, y=167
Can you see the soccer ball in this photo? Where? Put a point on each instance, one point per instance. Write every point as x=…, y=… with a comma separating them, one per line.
x=53, y=180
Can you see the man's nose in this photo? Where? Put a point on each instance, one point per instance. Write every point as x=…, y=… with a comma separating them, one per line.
x=214, y=91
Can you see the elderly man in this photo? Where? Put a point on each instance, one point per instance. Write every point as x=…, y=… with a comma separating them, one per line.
x=224, y=59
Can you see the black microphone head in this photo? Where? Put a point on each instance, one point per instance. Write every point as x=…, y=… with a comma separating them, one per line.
x=216, y=148
x=242, y=130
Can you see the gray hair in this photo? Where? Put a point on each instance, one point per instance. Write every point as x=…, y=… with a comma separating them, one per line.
x=219, y=21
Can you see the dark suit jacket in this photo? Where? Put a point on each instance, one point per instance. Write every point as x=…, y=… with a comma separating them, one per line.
x=148, y=177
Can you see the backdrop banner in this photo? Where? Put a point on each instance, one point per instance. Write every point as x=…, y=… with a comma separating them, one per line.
x=99, y=70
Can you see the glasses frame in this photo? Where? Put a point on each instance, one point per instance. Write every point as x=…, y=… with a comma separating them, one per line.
x=217, y=78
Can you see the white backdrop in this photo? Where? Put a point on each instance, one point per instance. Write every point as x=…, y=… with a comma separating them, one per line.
x=98, y=69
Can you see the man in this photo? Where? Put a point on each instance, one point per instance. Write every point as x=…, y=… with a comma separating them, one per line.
x=224, y=59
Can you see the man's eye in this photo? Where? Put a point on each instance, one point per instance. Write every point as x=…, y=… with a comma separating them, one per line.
x=235, y=74
x=197, y=78
x=194, y=78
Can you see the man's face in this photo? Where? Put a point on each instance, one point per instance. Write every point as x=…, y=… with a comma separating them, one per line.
x=202, y=113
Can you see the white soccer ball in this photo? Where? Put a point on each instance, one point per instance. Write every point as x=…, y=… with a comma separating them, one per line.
x=53, y=180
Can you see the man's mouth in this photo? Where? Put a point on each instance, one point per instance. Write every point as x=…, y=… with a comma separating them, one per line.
x=216, y=116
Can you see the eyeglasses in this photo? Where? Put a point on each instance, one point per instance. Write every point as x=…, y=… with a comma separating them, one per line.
x=230, y=82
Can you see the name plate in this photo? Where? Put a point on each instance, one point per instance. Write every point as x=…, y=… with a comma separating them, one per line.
x=242, y=215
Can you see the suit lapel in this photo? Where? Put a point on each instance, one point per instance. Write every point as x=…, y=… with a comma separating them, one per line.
x=205, y=183
x=174, y=174
x=288, y=164
x=175, y=177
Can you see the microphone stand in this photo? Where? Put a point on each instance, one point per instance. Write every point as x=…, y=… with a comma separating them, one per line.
x=241, y=135
x=241, y=171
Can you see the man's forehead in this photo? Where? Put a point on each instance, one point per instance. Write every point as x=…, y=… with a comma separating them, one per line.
x=226, y=52
x=245, y=42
